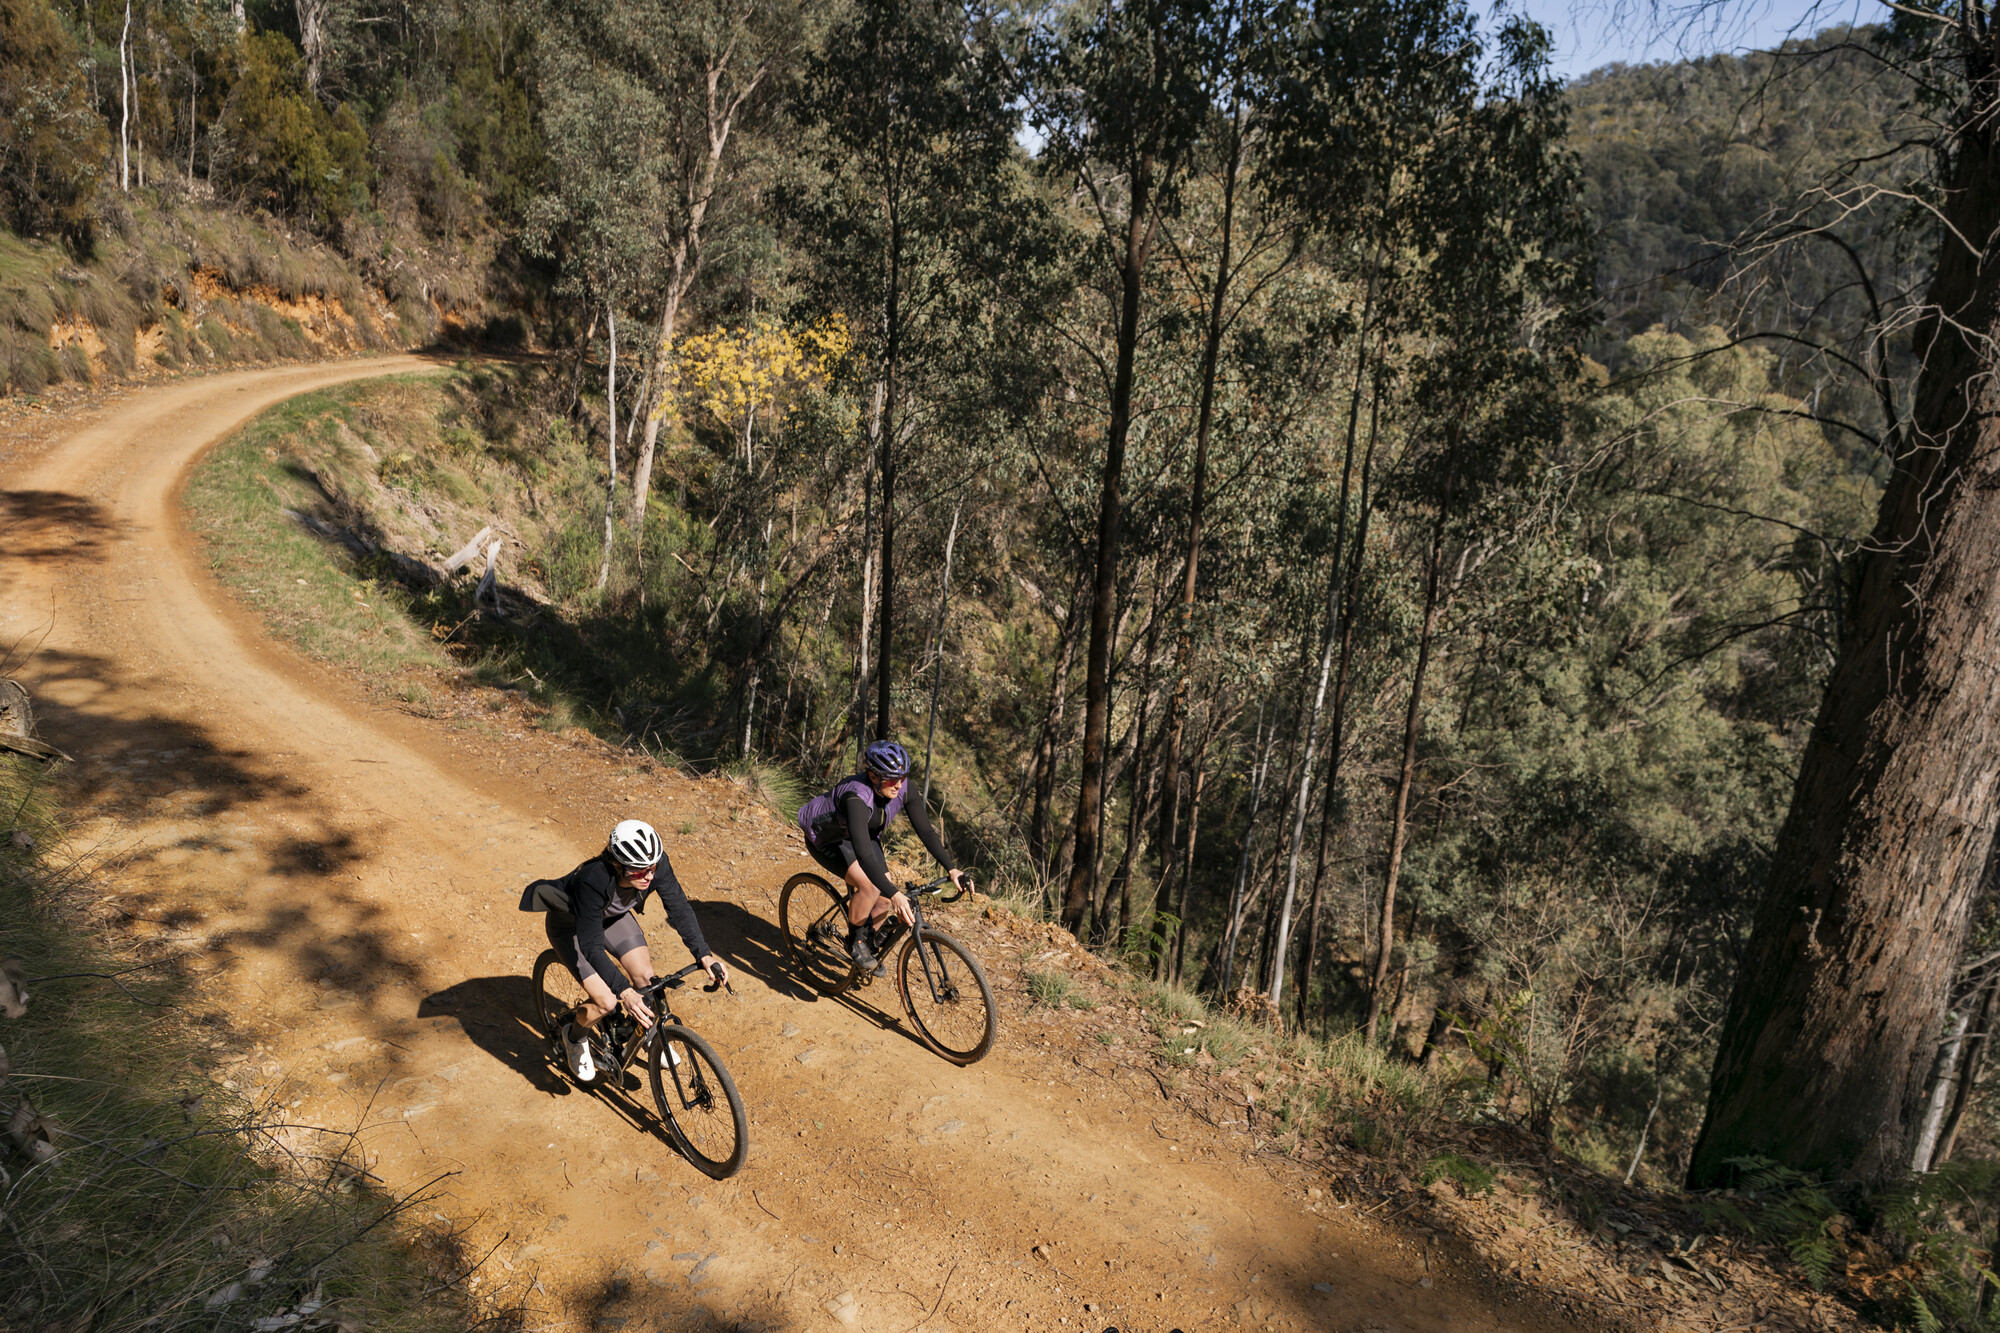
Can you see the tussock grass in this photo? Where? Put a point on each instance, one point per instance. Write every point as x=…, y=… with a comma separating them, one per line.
x=169, y=1203
x=1048, y=989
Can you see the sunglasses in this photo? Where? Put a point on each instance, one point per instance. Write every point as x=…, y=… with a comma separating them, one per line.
x=640, y=872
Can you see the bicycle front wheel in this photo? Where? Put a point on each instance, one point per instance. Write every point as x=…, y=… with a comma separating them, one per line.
x=813, y=916
x=945, y=993
x=698, y=1100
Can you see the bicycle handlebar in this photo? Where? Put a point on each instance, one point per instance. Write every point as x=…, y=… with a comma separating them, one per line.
x=652, y=988
x=936, y=888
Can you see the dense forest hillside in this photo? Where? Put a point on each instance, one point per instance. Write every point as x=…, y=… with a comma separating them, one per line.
x=1369, y=547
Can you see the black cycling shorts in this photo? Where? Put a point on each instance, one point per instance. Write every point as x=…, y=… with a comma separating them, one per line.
x=622, y=935
x=834, y=858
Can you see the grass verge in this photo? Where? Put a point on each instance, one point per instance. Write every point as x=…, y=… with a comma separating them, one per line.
x=158, y=1199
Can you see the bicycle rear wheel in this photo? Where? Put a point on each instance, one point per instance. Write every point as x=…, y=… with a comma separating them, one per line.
x=698, y=1100
x=952, y=1007
x=813, y=916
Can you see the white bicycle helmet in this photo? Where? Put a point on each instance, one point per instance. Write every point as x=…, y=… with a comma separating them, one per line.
x=633, y=843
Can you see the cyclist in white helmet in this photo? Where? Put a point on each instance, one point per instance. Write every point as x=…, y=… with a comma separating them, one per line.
x=592, y=918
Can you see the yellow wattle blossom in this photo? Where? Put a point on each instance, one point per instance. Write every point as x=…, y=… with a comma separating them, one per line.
x=736, y=374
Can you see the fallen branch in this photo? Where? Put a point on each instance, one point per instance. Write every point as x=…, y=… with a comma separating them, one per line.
x=467, y=553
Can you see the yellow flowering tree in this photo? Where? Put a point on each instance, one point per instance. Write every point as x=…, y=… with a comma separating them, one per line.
x=737, y=374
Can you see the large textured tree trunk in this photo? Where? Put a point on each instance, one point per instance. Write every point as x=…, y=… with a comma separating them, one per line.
x=1832, y=1024
x=1082, y=888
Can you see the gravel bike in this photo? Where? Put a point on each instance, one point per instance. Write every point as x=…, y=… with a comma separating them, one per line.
x=696, y=1096
x=943, y=987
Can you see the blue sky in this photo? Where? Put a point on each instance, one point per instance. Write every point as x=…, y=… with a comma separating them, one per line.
x=1590, y=33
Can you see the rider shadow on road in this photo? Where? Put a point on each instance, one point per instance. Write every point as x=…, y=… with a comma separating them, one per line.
x=497, y=1015
x=752, y=945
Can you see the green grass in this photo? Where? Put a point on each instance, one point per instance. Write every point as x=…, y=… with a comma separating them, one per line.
x=1048, y=989
x=310, y=591
x=167, y=1190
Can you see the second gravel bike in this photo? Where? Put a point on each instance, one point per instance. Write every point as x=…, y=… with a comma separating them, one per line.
x=942, y=986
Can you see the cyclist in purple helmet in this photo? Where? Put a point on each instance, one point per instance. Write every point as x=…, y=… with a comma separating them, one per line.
x=843, y=832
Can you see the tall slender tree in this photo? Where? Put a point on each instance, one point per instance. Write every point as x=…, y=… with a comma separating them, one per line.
x=1120, y=92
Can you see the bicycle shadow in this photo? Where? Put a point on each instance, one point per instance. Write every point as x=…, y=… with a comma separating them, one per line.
x=499, y=1015
x=755, y=946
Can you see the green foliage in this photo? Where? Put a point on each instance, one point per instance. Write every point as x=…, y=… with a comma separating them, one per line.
x=1048, y=989
x=52, y=143
x=1776, y=1203
x=1471, y=1177
x=284, y=147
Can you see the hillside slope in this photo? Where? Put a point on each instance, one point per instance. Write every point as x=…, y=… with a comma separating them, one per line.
x=343, y=875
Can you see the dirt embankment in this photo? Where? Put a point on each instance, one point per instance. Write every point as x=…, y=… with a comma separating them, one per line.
x=345, y=875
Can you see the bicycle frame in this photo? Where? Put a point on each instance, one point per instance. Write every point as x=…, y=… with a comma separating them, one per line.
x=654, y=993
x=917, y=894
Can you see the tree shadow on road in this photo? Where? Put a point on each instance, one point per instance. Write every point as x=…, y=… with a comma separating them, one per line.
x=49, y=526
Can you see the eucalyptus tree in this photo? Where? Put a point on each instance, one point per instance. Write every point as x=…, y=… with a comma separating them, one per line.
x=598, y=217
x=1119, y=90
x=912, y=116
x=709, y=66
x=1829, y=1039
x=1502, y=288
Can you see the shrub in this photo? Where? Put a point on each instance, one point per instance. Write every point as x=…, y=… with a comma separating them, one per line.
x=284, y=146
x=51, y=140
x=1048, y=989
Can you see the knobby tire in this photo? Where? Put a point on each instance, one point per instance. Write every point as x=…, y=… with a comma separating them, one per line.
x=698, y=1102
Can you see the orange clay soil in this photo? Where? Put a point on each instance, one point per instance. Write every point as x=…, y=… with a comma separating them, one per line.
x=343, y=877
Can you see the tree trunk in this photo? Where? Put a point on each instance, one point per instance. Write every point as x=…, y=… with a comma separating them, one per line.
x=1850, y=962
x=697, y=193
x=1082, y=890
x=1326, y=657
x=1399, y=827
x=312, y=15
x=1337, y=727
x=125, y=104
x=679, y=279
x=937, y=646
x=1943, y=1078
x=610, y=445
x=865, y=639
x=893, y=329
x=1187, y=864
x=1211, y=348
x=1121, y=878
x=1234, y=921
x=1976, y=1043
x=1047, y=760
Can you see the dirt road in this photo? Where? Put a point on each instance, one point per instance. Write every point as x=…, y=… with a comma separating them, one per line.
x=346, y=874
